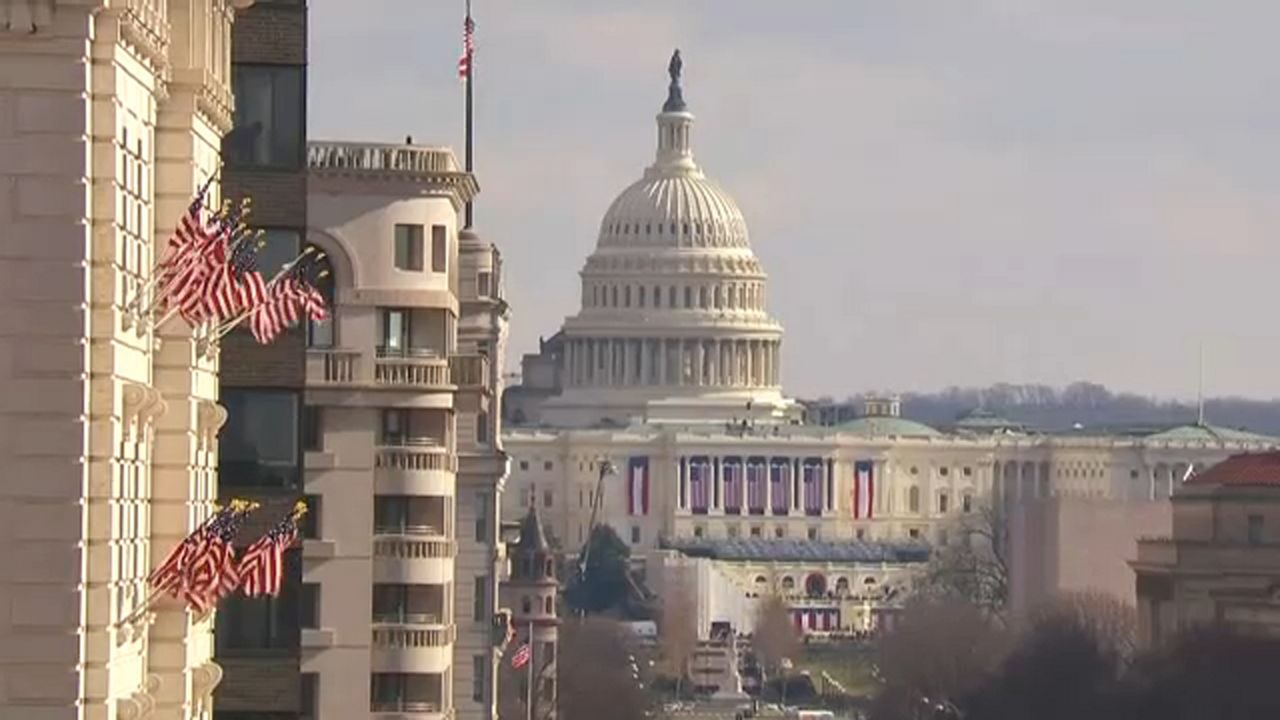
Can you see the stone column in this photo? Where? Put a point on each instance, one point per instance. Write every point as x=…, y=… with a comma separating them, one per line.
x=644, y=361
x=662, y=360
x=628, y=363
x=698, y=351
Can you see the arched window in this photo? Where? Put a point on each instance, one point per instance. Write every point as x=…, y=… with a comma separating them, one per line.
x=913, y=499
x=640, y=299
x=671, y=296
x=614, y=293
x=788, y=583
x=626, y=296
x=688, y=296
x=595, y=295
x=657, y=296
x=842, y=586
x=321, y=334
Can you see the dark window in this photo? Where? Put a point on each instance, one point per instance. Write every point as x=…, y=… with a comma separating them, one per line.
x=482, y=517
x=480, y=608
x=548, y=654
x=944, y=502
x=405, y=692
x=312, y=428
x=279, y=247
x=482, y=428
x=914, y=532
x=526, y=605
x=311, y=521
x=1255, y=529
x=265, y=624
x=813, y=533
x=966, y=503
x=479, y=669
x=309, y=614
x=310, y=700
x=408, y=247
x=395, y=331
x=548, y=465
x=483, y=280
x=258, y=446
x=524, y=464
x=320, y=332
x=268, y=128
x=635, y=535
x=439, y=248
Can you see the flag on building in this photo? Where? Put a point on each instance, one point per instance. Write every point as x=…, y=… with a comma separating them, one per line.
x=522, y=656
x=288, y=297
x=699, y=485
x=201, y=569
x=757, y=485
x=638, y=486
x=780, y=486
x=468, y=47
x=732, y=469
x=812, y=485
x=262, y=563
x=864, y=490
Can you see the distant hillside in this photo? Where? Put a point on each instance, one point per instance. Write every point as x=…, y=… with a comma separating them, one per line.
x=1047, y=408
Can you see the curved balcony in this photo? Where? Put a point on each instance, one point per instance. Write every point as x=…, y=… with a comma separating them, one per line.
x=411, y=644
x=413, y=556
x=411, y=367
x=470, y=371
x=414, y=468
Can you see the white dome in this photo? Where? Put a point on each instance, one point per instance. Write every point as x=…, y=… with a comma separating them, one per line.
x=673, y=207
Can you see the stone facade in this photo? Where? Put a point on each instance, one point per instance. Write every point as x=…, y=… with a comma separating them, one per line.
x=404, y=459
x=1221, y=564
x=111, y=115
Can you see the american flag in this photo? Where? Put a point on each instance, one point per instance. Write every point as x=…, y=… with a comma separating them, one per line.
x=699, y=485
x=779, y=486
x=236, y=286
x=521, y=656
x=201, y=569
x=864, y=490
x=262, y=563
x=288, y=296
x=812, y=482
x=194, y=251
x=468, y=47
x=732, y=469
x=757, y=482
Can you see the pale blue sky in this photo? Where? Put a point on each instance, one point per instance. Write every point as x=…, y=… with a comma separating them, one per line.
x=944, y=192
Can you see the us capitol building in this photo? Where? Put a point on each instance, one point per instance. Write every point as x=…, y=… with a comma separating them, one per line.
x=671, y=370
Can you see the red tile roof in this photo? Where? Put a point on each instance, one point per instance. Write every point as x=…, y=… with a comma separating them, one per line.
x=1247, y=469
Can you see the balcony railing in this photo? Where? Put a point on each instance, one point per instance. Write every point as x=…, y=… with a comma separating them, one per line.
x=413, y=366
x=380, y=158
x=396, y=636
x=337, y=367
x=409, y=548
x=470, y=370
x=408, y=706
x=406, y=456
x=412, y=530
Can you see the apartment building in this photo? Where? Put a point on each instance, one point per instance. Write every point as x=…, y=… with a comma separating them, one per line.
x=401, y=452
x=260, y=456
x=111, y=116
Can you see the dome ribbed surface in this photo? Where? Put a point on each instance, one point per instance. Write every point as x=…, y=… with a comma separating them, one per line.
x=676, y=210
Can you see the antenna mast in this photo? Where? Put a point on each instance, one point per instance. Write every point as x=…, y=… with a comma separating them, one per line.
x=1200, y=390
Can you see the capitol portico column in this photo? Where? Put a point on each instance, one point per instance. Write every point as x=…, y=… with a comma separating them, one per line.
x=662, y=360
x=644, y=360
x=627, y=361
x=698, y=352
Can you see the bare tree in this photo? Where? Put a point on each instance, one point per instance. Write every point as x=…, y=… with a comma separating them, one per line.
x=938, y=651
x=678, y=632
x=595, y=675
x=775, y=637
x=1108, y=620
x=976, y=568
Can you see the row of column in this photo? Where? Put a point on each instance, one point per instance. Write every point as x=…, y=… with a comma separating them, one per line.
x=642, y=362
x=795, y=501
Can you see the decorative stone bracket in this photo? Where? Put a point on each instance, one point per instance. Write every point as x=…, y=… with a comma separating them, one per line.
x=204, y=680
x=142, y=703
x=210, y=417
x=142, y=406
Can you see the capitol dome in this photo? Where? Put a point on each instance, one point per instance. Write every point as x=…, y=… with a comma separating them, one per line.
x=673, y=323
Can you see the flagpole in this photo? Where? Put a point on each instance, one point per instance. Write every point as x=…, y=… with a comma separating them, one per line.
x=529, y=674
x=469, y=156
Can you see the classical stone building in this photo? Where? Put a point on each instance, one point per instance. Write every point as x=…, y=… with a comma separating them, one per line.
x=1222, y=562
x=401, y=455
x=111, y=117
x=671, y=369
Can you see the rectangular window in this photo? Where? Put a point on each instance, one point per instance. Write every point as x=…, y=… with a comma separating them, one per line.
x=395, y=427
x=479, y=668
x=311, y=521
x=310, y=700
x=263, y=625
x=966, y=503
x=1255, y=529
x=546, y=498
x=309, y=614
x=482, y=518
x=268, y=125
x=482, y=428
x=312, y=428
x=483, y=280
x=439, y=248
x=279, y=247
x=408, y=247
x=406, y=692
x=409, y=515
x=635, y=535
x=258, y=446
x=944, y=502
x=395, y=332
x=480, y=608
